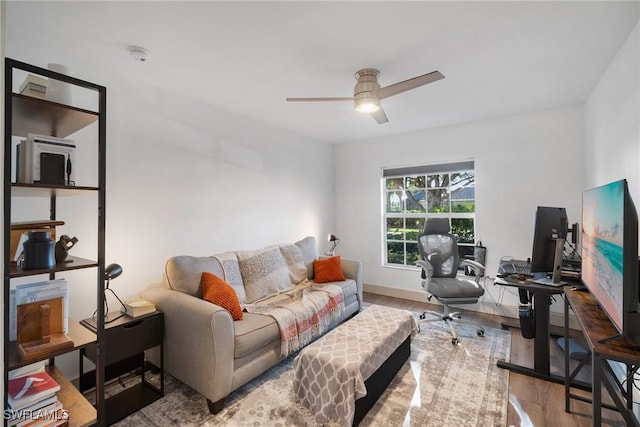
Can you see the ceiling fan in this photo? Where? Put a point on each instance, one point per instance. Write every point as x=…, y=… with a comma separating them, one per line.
x=367, y=92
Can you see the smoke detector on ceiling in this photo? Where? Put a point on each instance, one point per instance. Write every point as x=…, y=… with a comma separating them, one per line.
x=139, y=54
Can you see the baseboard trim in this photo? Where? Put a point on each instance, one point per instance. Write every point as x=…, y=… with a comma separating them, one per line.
x=485, y=305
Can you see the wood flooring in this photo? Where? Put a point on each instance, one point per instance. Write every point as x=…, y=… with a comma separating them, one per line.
x=533, y=402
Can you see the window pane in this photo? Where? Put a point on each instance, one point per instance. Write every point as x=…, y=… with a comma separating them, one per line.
x=414, y=227
x=394, y=229
x=395, y=253
x=439, y=180
x=413, y=255
x=394, y=183
x=415, y=201
x=464, y=206
x=438, y=201
x=415, y=182
x=464, y=179
x=394, y=202
x=463, y=228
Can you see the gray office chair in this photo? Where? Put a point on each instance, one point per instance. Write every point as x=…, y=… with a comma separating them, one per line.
x=439, y=251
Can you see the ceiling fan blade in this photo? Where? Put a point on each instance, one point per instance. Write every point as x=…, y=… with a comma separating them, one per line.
x=380, y=116
x=350, y=98
x=394, y=89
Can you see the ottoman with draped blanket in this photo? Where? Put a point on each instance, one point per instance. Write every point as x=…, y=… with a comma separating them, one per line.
x=340, y=376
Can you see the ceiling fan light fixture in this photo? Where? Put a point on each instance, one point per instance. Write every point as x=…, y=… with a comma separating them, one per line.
x=365, y=98
x=366, y=103
x=367, y=92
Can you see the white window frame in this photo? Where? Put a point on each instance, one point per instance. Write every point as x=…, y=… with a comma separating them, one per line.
x=414, y=171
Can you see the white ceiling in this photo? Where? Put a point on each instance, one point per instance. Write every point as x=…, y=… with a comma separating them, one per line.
x=499, y=58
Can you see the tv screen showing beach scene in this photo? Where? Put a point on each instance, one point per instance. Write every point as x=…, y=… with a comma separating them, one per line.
x=602, y=247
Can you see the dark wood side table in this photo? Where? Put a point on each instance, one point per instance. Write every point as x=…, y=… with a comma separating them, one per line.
x=598, y=331
x=126, y=340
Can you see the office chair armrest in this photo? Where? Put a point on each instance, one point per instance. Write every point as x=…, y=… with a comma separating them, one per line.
x=427, y=268
x=477, y=268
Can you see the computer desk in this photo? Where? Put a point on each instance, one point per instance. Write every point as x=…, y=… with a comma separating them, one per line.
x=541, y=360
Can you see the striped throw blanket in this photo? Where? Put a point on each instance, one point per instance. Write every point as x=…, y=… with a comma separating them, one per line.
x=303, y=314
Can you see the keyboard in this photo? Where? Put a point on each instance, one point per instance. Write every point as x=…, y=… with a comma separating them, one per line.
x=514, y=266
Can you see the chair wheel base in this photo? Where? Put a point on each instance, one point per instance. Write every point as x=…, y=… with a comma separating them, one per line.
x=455, y=341
x=480, y=332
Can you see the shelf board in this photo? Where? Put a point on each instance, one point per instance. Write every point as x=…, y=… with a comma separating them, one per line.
x=75, y=263
x=39, y=116
x=81, y=412
x=81, y=337
x=30, y=225
x=44, y=190
x=129, y=401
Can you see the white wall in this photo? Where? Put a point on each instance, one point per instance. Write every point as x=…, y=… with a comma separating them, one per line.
x=521, y=161
x=184, y=178
x=612, y=121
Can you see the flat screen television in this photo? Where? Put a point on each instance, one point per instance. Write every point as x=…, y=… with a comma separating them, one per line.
x=550, y=225
x=610, y=254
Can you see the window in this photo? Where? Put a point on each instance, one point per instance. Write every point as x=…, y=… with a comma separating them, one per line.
x=413, y=194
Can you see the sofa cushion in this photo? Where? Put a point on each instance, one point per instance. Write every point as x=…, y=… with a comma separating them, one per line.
x=232, y=276
x=327, y=270
x=183, y=273
x=217, y=291
x=270, y=270
x=309, y=253
x=349, y=289
x=254, y=331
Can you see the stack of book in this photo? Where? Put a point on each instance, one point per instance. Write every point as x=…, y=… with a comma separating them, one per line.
x=34, y=86
x=33, y=400
x=138, y=307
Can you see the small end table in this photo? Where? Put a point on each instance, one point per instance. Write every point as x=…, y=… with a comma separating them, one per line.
x=126, y=340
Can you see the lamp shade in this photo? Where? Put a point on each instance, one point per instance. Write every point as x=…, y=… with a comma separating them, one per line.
x=112, y=271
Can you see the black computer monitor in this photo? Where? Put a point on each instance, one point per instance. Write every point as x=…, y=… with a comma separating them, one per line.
x=550, y=224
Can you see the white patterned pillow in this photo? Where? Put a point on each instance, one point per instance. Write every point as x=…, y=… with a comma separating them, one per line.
x=232, y=276
x=271, y=270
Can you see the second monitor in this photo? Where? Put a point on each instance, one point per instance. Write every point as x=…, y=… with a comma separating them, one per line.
x=549, y=236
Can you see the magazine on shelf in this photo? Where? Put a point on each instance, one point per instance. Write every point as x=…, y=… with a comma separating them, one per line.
x=34, y=292
x=30, y=415
x=26, y=370
x=30, y=389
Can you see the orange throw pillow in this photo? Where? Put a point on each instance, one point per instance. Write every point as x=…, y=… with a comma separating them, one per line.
x=327, y=270
x=219, y=292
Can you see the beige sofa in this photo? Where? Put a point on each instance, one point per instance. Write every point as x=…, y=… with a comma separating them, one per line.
x=209, y=351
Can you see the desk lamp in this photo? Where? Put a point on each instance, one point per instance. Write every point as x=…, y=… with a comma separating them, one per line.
x=334, y=240
x=111, y=272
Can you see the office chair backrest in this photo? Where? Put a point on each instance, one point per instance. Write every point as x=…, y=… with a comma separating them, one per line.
x=438, y=246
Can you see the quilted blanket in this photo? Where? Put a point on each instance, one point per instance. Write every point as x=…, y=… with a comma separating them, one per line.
x=303, y=314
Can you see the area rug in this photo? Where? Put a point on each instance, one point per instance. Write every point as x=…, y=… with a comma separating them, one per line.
x=440, y=385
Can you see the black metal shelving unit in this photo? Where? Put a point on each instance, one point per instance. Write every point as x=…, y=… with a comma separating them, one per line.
x=26, y=114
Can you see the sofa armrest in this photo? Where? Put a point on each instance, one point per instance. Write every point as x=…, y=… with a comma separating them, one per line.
x=199, y=338
x=354, y=270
